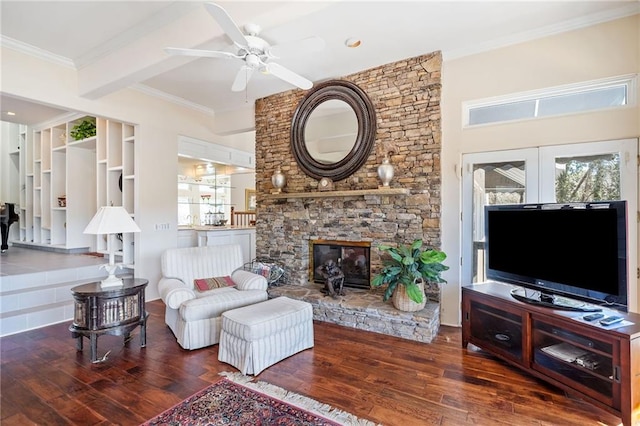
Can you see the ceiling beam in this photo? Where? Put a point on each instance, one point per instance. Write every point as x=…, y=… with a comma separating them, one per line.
x=144, y=57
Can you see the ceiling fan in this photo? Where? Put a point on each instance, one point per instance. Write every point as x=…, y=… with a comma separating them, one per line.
x=254, y=51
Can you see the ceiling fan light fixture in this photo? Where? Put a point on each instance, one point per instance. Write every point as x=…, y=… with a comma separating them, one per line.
x=254, y=51
x=353, y=42
x=252, y=29
x=252, y=60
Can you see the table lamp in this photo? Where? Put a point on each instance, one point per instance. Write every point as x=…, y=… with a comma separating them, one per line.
x=111, y=221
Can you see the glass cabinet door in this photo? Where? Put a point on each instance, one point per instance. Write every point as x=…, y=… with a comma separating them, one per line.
x=582, y=361
x=204, y=202
x=498, y=328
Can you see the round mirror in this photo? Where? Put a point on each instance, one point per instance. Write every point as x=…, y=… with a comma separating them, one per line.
x=333, y=130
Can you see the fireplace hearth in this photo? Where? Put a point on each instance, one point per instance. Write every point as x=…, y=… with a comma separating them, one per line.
x=365, y=310
x=352, y=257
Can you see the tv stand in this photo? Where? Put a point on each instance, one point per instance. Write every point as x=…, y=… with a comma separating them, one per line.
x=550, y=301
x=600, y=366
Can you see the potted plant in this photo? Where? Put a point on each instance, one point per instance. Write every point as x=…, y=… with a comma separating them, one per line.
x=85, y=129
x=406, y=271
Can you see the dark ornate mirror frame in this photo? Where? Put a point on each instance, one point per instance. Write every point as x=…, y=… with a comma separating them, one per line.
x=355, y=97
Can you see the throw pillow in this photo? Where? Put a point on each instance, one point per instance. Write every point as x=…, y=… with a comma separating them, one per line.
x=205, y=284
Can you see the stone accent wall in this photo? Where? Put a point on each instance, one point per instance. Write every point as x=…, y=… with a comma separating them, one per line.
x=406, y=96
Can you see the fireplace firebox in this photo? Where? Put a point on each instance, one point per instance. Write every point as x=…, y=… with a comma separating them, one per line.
x=353, y=258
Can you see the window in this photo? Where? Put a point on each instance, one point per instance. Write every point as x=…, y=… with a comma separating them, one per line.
x=571, y=99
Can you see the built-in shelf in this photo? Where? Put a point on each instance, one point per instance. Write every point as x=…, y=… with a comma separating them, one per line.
x=87, y=172
x=352, y=193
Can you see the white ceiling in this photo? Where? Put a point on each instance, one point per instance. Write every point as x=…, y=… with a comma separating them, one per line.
x=118, y=44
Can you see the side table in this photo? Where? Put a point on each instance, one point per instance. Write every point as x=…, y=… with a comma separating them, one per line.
x=113, y=310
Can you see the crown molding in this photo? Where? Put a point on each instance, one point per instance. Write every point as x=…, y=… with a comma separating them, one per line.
x=34, y=51
x=142, y=88
x=525, y=36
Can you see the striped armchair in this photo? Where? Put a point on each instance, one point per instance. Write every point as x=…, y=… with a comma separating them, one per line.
x=195, y=316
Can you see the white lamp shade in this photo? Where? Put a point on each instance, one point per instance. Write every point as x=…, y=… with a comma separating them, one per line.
x=111, y=220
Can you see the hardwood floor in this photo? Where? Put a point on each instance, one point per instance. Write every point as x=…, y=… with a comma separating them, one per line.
x=385, y=379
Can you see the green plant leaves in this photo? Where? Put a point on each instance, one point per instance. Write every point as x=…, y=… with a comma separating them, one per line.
x=414, y=292
x=393, y=270
x=405, y=251
x=393, y=252
x=378, y=280
x=432, y=256
x=408, y=263
x=85, y=129
x=416, y=245
x=387, y=294
x=408, y=260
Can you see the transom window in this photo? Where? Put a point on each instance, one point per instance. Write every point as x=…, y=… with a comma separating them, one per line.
x=569, y=99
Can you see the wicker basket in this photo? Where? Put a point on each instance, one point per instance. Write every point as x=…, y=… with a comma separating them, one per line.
x=274, y=272
x=402, y=302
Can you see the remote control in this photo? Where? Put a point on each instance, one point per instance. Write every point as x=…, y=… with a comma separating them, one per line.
x=592, y=317
x=611, y=320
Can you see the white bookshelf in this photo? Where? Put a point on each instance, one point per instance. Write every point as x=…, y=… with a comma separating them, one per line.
x=87, y=173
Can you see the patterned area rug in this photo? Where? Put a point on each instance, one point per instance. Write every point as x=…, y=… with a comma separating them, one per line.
x=235, y=400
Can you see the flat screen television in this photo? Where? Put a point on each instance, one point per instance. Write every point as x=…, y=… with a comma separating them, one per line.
x=577, y=251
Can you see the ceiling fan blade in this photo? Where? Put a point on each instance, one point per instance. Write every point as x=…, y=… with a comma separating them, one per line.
x=311, y=44
x=289, y=76
x=227, y=24
x=200, y=53
x=242, y=78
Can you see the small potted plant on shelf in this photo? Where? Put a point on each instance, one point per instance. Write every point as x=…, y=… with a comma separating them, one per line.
x=405, y=273
x=85, y=129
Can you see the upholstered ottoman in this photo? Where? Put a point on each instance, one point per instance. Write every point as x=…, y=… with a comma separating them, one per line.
x=257, y=336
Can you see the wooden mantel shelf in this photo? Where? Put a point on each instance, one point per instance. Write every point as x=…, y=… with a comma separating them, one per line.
x=328, y=194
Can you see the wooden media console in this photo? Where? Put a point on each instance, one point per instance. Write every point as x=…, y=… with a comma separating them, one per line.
x=598, y=364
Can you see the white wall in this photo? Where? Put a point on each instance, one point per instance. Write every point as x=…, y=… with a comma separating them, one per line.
x=604, y=50
x=6, y=130
x=9, y=141
x=244, y=141
x=240, y=182
x=159, y=122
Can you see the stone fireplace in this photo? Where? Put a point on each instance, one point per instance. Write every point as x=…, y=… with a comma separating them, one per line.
x=406, y=97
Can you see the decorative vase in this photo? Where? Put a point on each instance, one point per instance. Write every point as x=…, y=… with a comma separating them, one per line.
x=279, y=180
x=402, y=302
x=385, y=172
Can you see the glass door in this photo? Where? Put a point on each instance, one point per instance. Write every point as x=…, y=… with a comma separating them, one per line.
x=504, y=177
x=597, y=171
